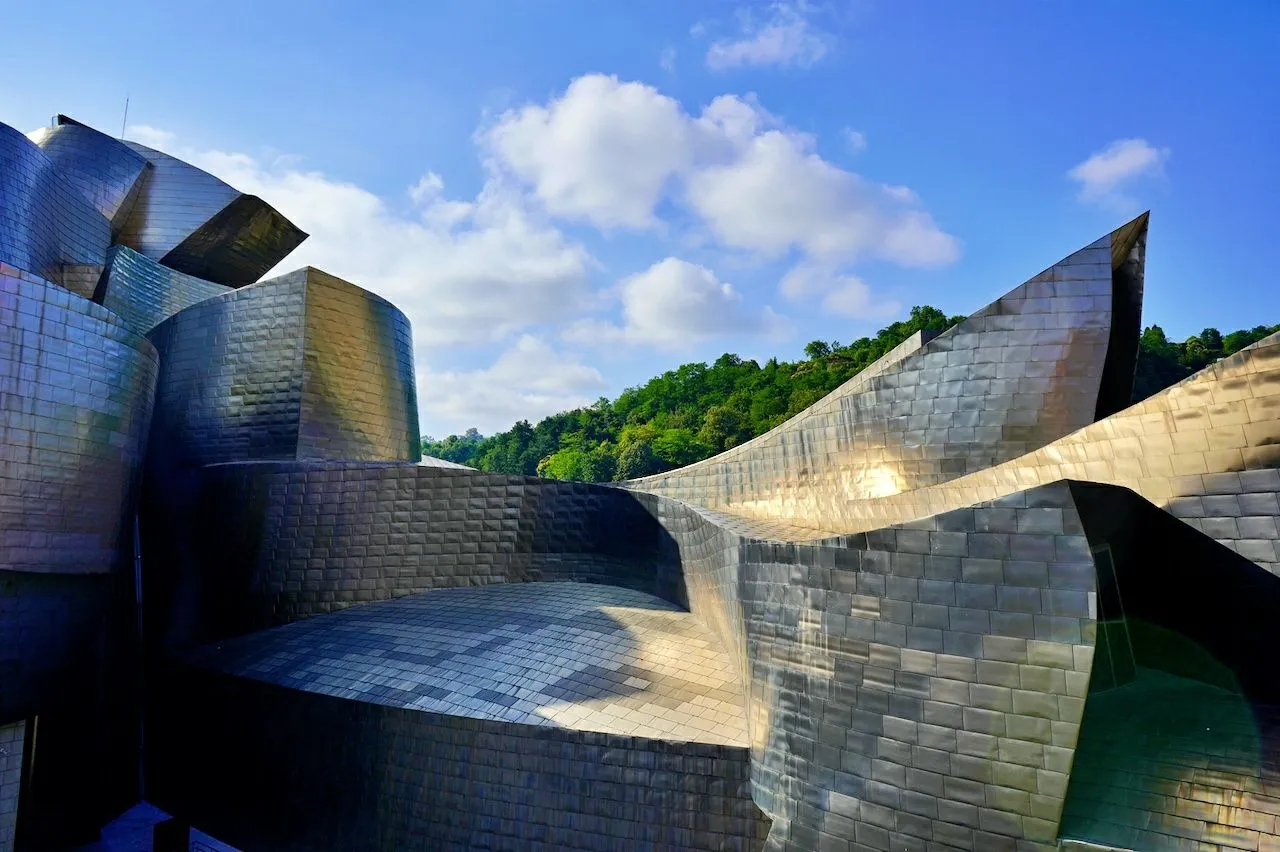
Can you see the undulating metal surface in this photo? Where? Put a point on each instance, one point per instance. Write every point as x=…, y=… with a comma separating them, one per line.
x=346, y=533
x=336, y=773
x=46, y=224
x=970, y=601
x=75, y=392
x=106, y=171
x=305, y=366
x=189, y=220
x=145, y=293
x=1015, y=376
x=583, y=656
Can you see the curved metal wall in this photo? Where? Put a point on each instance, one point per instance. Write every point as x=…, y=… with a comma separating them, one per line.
x=189, y=220
x=45, y=223
x=347, y=533
x=145, y=293
x=305, y=366
x=105, y=170
x=75, y=400
x=77, y=390
x=1015, y=376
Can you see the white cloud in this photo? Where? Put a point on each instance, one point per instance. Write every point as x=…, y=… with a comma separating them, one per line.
x=463, y=271
x=602, y=152
x=856, y=140
x=844, y=295
x=787, y=38
x=529, y=381
x=1107, y=176
x=779, y=194
x=609, y=152
x=667, y=59
x=674, y=305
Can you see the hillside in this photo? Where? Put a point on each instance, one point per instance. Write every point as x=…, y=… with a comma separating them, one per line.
x=698, y=410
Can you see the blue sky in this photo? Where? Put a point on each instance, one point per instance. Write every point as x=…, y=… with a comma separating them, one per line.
x=569, y=197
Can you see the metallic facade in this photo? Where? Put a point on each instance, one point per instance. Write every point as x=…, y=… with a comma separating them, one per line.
x=104, y=170
x=45, y=223
x=972, y=600
x=145, y=293
x=189, y=220
x=305, y=366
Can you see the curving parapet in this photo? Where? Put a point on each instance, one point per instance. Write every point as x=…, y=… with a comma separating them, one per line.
x=305, y=366
x=145, y=293
x=47, y=227
x=106, y=171
x=192, y=222
x=346, y=533
x=1046, y=359
x=75, y=401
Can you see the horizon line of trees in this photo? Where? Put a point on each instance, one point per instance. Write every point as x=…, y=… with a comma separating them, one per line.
x=698, y=410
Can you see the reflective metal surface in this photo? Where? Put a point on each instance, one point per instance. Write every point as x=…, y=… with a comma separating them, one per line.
x=145, y=293
x=105, y=170
x=305, y=366
x=1025, y=370
x=191, y=221
x=45, y=223
x=969, y=601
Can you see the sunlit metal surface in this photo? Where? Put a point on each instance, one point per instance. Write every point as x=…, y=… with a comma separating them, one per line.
x=145, y=293
x=305, y=366
x=105, y=170
x=970, y=601
x=1022, y=372
x=191, y=221
x=45, y=223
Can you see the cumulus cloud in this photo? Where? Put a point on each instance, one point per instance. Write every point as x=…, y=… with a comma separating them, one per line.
x=673, y=305
x=841, y=294
x=609, y=152
x=1109, y=175
x=464, y=272
x=529, y=380
x=601, y=152
x=786, y=38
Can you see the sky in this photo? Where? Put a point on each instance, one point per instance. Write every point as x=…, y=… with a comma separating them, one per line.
x=568, y=197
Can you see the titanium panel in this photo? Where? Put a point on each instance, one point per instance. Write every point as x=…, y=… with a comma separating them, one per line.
x=351, y=533
x=305, y=366
x=11, y=742
x=145, y=293
x=45, y=223
x=363, y=776
x=189, y=220
x=1016, y=375
x=75, y=394
x=561, y=655
x=105, y=170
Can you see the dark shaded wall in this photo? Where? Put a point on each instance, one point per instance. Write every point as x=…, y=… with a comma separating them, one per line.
x=1193, y=607
x=246, y=546
x=290, y=770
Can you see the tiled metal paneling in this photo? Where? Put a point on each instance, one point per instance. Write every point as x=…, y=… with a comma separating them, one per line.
x=75, y=393
x=105, y=170
x=269, y=372
x=191, y=221
x=362, y=776
x=144, y=293
x=45, y=222
x=11, y=741
x=1016, y=375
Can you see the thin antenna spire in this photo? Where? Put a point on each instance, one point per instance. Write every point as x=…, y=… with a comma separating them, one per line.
x=124, y=121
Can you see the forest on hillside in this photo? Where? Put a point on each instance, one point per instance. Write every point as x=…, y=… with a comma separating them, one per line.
x=697, y=410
